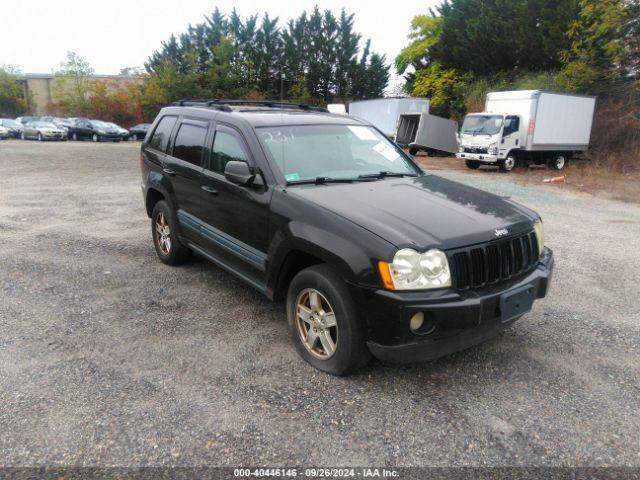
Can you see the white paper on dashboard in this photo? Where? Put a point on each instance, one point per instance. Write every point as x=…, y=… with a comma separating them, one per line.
x=385, y=150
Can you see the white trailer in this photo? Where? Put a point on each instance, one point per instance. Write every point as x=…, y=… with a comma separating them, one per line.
x=527, y=126
x=383, y=112
x=423, y=131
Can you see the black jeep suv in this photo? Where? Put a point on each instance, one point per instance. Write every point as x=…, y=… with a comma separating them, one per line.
x=373, y=255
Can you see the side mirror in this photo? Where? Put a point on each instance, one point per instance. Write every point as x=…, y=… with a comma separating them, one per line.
x=240, y=174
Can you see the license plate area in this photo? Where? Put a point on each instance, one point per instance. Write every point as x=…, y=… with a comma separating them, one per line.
x=516, y=303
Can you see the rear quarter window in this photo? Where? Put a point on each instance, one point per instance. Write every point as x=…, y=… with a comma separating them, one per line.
x=162, y=133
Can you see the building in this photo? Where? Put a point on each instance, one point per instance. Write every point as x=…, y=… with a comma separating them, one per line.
x=39, y=91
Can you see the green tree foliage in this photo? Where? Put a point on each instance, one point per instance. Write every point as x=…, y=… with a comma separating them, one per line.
x=315, y=57
x=12, y=101
x=605, y=46
x=73, y=84
x=465, y=48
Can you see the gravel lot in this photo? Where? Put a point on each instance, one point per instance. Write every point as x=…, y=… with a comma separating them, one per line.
x=111, y=358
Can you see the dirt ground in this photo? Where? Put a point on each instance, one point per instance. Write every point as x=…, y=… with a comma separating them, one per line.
x=581, y=176
x=109, y=357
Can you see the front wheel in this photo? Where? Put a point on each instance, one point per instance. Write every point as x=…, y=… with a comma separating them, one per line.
x=134, y=137
x=22, y=137
x=324, y=322
x=95, y=137
x=39, y=137
x=413, y=151
x=507, y=164
x=472, y=164
x=164, y=230
x=558, y=162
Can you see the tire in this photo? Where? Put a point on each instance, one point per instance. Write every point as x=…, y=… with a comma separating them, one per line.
x=134, y=137
x=173, y=252
x=472, y=164
x=95, y=138
x=413, y=151
x=74, y=137
x=22, y=137
x=39, y=137
x=558, y=162
x=347, y=335
x=507, y=164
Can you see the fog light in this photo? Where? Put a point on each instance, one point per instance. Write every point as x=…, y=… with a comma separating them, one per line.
x=416, y=321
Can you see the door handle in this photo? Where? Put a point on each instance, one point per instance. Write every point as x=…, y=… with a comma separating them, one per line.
x=209, y=190
x=169, y=172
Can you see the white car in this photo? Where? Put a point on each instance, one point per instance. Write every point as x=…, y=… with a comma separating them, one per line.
x=43, y=131
x=4, y=132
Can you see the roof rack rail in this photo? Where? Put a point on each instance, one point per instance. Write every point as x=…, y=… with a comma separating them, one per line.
x=225, y=105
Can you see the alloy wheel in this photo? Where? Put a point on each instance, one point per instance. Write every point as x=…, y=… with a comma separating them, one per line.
x=560, y=161
x=316, y=323
x=163, y=234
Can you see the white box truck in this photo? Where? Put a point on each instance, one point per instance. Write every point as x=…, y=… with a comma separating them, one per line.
x=423, y=131
x=383, y=112
x=527, y=126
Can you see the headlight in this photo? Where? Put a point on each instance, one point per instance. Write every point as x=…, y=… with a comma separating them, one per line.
x=493, y=149
x=411, y=270
x=101, y=131
x=461, y=149
x=539, y=229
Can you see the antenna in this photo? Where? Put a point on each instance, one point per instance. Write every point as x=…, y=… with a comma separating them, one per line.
x=284, y=161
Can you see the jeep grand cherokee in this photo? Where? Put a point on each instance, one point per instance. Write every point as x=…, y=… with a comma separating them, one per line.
x=371, y=254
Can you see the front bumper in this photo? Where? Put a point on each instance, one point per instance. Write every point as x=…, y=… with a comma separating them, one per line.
x=478, y=157
x=455, y=320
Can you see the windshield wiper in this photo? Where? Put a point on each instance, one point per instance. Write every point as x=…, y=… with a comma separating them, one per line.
x=383, y=174
x=320, y=181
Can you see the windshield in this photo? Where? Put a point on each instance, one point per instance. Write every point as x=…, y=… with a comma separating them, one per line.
x=481, y=124
x=99, y=124
x=44, y=125
x=307, y=152
x=10, y=123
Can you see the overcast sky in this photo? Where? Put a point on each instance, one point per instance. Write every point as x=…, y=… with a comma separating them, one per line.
x=119, y=33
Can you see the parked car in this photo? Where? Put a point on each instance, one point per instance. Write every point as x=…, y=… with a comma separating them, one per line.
x=43, y=131
x=25, y=120
x=63, y=123
x=124, y=133
x=15, y=128
x=4, y=133
x=95, y=130
x=371, y=254
x=139, y=131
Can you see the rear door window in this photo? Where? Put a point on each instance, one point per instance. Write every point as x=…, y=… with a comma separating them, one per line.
x=162, y=133
x=189, y=143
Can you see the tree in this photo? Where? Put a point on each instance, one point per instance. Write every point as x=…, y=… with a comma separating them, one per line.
x=604, y=46
x=12, y=100
x=315, y=57
x=73, y=84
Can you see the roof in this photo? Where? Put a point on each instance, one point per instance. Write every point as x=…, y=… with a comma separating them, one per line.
x=262, y=116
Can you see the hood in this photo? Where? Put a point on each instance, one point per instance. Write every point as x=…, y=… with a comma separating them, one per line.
x=422, y=212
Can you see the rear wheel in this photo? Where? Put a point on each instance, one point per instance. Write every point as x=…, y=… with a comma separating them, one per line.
x=507, y=164
x=39, y=137
x=164, y=230
x=75, y=137
x=558, y=162
x=324, y=323
x=22, y=137
x=413, y=151
x=472, y=164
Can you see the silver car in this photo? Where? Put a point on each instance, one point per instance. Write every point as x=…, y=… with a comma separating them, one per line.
x=43, y=131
